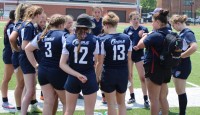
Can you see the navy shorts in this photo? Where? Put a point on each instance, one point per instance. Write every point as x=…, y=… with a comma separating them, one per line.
x=159, y=74
x=137, y=56
x=7, y=54
x=74, y=85
x=54, y=76
x=15, y=59
x=114, y=79
x=183, y=70
x=25, y=65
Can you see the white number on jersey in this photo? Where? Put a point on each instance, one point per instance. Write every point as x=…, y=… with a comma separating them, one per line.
x=120, y=56
x=48, y=53
x=83, y=50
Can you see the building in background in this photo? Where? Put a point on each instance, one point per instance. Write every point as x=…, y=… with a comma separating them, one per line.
x=75, y=7
x=187, y=7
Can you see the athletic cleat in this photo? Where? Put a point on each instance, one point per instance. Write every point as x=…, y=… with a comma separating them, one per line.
x=104, y=100
x=146, y=104
x=80, y=96
x=7, y=105
x=131, y=100
x=35, y=109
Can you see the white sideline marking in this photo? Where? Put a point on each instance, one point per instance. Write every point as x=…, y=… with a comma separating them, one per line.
x=192, y=94
x=194, y=85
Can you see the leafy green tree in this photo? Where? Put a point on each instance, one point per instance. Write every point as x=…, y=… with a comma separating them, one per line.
x=148, y=5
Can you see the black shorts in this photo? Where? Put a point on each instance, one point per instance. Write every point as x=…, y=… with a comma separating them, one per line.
x=183, y=70
x=54, y=76
x=25, y=65
x=158, y=75
x=114, y=79
x=7, y=54
x=74, y=85
x=15, y=59
x=137, y=56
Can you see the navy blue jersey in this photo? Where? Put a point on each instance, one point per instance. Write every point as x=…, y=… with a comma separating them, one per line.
x=18, y=26
x=155, y=40
x=17, y=29
x=27, y=32
x=50, y=47
x=9, y=30
x=97, y=30
x=188, y=37
x=169, y=26
x=134, y=36
x=184, y=69
x=66, y=30
x=115, y=47
x=38, y=29
x=82, y=61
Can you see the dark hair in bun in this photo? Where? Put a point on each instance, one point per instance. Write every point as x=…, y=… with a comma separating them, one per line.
x=162, y=16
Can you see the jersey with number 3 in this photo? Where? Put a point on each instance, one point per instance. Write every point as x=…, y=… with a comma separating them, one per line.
x=115, y=47
x=82, y=61
x=50, y=47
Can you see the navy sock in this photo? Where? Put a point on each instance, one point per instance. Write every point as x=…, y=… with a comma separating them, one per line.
x=132, y=96
x=18, y=108
x=145, y=98
x=103, y=95
x=41, y=93
x=33, y=102
x=182, y=103
x=5, y=99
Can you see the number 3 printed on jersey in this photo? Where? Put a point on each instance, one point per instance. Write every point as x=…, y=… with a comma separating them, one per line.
x=48, y=53
x=83, y=50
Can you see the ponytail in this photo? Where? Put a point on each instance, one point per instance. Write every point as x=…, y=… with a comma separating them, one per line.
x=45, y=32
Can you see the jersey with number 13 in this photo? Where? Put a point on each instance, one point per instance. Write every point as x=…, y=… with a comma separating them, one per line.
x=115, y=47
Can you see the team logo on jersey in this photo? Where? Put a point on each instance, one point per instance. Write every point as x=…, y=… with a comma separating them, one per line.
x=76, y=42
x=177, y=73
x=130, y=33
x=48, y=39
x=115, y=42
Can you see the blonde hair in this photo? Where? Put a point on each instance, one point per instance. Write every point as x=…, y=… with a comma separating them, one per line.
x=97, y=7
x=55, y=21
x=33, y=11
x=111, y=19
x=178, y=18
x=20, y=11
x=134, y=13
x=67, y=17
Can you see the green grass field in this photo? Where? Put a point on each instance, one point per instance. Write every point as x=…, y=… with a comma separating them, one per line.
x=193, y=78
